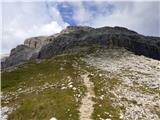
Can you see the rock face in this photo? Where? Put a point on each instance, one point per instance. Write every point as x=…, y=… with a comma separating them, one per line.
x=26, y=52
x=18, y=55
x=38, y=42
x=105, y=36
x=48, y=46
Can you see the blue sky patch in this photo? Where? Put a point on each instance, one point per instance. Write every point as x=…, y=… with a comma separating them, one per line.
x=102, y=8
x=66, y=12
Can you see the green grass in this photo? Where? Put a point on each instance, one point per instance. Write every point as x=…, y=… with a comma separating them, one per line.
x=51, y=103
x=37, y=73
x=55, y=102
x=104, y=108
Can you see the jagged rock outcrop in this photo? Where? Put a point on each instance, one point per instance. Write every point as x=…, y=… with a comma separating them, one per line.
x=38, y=42
x=48, y=46
x=18, y=55
x=28, y=51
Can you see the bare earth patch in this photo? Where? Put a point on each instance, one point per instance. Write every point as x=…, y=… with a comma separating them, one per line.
x=86, y=108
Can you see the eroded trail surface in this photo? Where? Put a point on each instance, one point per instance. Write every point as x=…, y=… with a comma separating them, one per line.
x=86, y=108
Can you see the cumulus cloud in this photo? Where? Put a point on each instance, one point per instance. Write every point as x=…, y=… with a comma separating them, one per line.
x=27, y=19
x=21, y=20
x=142, y=17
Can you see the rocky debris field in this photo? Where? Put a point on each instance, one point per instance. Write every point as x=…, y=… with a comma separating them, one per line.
x=138, y=91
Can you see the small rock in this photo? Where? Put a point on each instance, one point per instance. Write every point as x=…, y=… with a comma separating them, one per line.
x=108, y=119
x=74, y=88
x=70, y=86
x=19, y=89
x=100, y=75
x=53, y=118
x=63, y=88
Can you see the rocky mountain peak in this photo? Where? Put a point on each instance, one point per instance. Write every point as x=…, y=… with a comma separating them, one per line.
x=43, y=47
x=69, y=29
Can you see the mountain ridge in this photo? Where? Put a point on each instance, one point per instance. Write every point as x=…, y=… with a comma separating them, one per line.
x=44, y=47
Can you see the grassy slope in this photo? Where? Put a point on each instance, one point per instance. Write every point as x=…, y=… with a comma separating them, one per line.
x=54, y=101
x=103, y=107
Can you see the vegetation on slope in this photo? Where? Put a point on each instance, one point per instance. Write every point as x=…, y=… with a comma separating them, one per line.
x=44, y=89
x=54, y=87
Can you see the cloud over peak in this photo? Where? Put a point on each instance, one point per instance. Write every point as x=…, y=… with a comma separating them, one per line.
x=21, y=20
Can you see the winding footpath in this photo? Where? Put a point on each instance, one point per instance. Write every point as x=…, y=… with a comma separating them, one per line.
x=86, y=108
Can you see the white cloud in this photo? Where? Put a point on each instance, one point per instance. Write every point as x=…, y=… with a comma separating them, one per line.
x=22, y=20
x=142, y=17
x=27, y=19
x=50, y=28
x=81, y=15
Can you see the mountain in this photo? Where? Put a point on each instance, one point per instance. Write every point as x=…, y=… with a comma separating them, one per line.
x=83, y=73
x=3, y=56
x=43, y=47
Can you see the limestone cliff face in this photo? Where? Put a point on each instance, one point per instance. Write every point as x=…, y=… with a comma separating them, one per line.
x=105, y=36
x=18, y=55
x=28, y=51
x=48, y=46
x=38, y=42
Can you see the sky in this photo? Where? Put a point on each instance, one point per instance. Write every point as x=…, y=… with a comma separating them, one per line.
x=23, y=19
